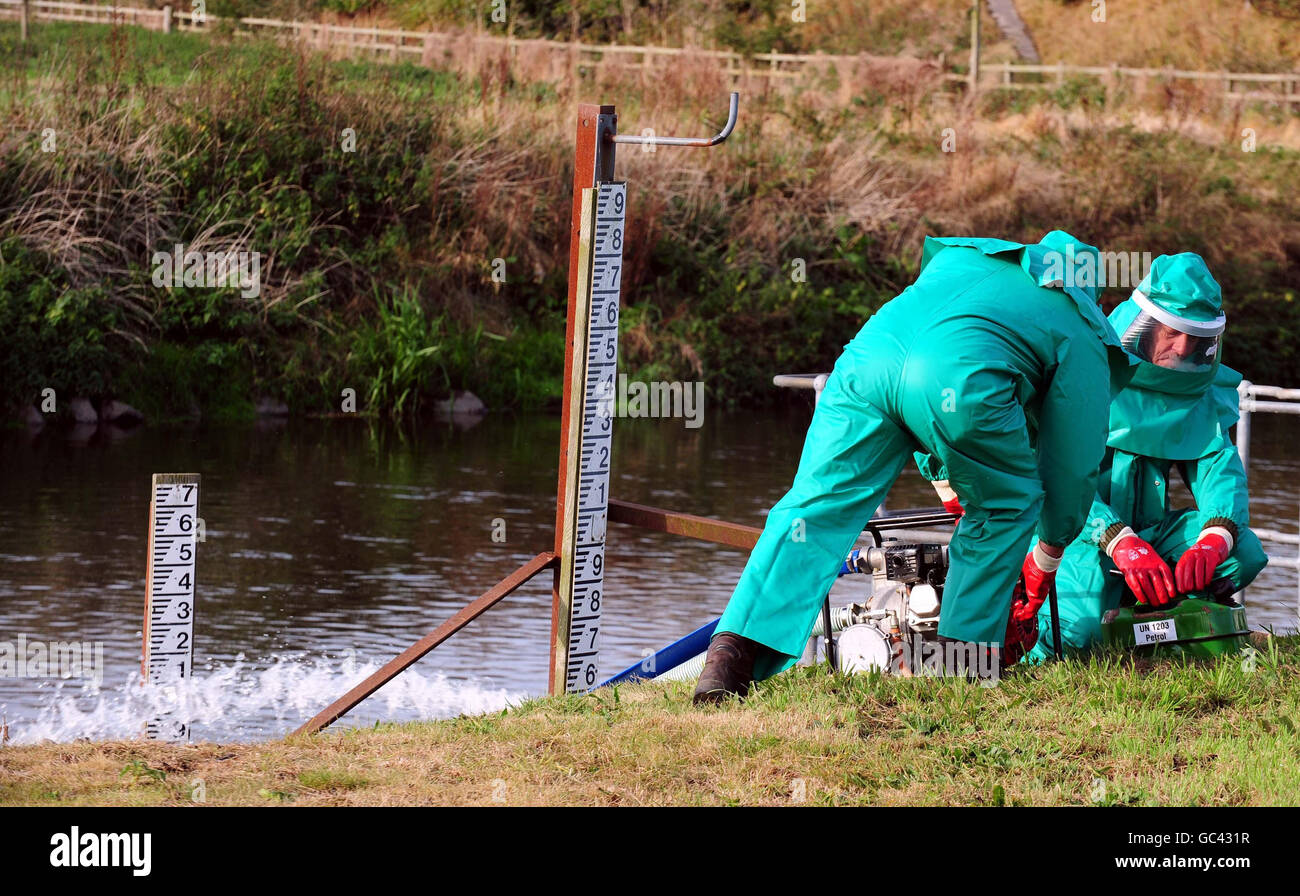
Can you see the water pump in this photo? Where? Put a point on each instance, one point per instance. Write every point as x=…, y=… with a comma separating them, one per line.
x=903, y=610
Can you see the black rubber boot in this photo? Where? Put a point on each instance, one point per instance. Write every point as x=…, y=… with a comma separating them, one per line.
x=728, y=668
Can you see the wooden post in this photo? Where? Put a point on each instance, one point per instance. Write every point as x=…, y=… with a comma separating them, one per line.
x=512, y=49
x=167, y=19
x=975, y=48
x=477, y=56
x=24, y=14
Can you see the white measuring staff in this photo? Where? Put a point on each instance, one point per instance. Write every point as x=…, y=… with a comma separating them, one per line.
x=600, y=278
x=169, y=590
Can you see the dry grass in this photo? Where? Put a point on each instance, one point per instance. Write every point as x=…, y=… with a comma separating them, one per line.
x=860, y=149
x=1205, y=35
x=88, y=183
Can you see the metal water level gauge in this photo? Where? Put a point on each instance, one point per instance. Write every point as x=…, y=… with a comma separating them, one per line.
x=582, y=568
x=169, y=591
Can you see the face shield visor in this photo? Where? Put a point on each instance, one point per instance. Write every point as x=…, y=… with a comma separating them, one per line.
x=1164, y=339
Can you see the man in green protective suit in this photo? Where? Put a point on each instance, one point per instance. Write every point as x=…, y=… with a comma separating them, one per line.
x=996, y=362
x=1175, y=413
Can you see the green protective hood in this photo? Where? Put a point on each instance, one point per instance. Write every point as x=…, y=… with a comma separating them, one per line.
x=1058, y=261
x=1183, y=286
x=1171, y=414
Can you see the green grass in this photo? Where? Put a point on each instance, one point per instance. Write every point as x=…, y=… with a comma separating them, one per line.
x=1109, y=731
x=144, y=57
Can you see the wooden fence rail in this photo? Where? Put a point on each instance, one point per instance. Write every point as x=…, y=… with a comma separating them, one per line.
x=428, y=48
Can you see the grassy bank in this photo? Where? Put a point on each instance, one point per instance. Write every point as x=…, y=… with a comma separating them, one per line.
x=382, y=267
x=1107, y=732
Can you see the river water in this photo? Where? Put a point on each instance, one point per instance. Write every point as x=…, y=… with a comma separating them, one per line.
x=333, y=545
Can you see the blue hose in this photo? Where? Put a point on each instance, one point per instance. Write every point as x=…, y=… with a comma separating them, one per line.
x=674, y=654
x=850, y=566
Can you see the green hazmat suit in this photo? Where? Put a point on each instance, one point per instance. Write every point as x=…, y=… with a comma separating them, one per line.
x=1165, y=419
x=996, y=363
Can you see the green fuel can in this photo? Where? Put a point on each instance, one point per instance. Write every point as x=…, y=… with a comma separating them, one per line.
x=1192, y=627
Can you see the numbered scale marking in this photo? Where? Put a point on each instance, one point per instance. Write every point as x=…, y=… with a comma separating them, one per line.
x=169, y=590
x=588, y=567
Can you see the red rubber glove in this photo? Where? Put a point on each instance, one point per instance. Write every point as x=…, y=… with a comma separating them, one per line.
x=1146, y=574
x=1022, y=634
x=1037, y=583
x=954, y=506
x=1196, y=566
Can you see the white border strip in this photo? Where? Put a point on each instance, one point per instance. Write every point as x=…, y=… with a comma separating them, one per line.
x=1181, y=324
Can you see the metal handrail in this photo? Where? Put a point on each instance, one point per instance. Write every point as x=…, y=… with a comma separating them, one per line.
x=733, y=112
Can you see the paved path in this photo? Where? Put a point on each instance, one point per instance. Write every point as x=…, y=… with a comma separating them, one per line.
x=1008, y=19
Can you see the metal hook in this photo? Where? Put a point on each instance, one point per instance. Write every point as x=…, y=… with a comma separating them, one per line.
x=732, y=113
